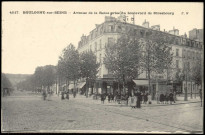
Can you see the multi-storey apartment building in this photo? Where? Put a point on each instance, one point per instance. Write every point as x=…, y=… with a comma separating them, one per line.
x=186, y=51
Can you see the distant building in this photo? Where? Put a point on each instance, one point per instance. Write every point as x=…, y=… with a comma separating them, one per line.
x=145, y=24
x=186, y=51
x=174, y=32
x=196, y=34
x=155, y=27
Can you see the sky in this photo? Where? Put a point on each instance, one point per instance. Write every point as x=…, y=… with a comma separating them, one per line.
x=31, y=40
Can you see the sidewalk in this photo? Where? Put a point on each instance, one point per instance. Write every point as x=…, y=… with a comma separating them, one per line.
x=180, y=100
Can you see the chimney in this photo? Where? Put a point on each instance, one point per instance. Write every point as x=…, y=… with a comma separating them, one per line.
x=145, y=24
x=185, y=35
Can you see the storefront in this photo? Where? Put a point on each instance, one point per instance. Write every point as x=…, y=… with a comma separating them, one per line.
x=81, y=87
x=142, y=85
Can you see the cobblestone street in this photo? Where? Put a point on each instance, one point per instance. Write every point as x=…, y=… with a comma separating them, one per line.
x=29, y=113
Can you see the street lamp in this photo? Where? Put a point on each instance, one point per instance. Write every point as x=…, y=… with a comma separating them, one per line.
x=185, y=96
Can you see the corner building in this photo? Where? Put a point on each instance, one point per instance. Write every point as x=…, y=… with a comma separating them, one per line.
x=186, y=51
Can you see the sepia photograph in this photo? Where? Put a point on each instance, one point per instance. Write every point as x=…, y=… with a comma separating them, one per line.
x=102, y=67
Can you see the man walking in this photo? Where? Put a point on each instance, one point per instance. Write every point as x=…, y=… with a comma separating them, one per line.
x=200, y=94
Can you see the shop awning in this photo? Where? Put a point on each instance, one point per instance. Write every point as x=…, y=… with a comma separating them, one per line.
x=64, y=85
x=141, y=82
x=80, y=85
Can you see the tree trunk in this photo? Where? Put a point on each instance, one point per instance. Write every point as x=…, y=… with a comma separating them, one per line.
x=56, y=87
x=185, y=95
x=149, y=87
x=67, y=85
x=87, y=86
x=191, y=90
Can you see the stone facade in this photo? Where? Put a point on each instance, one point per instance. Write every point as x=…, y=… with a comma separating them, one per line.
x=186, y=51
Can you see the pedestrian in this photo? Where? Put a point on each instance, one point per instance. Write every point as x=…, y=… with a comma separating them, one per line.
x=171, y=97
x=138, y=99
x=102, y=98
x=126, y=98
x=200, y=94
x=175, y=96
x=62, y=95
x=112, y=97
x=67, y=94
x=109, y=97
x=117, y=98
x=74, y=93
x=161, y=99
x=166, y=98
x=44, y=94
x=157, y=97
x=149, y=98
x=141, y=97
x=145, y=97
x=133, y=101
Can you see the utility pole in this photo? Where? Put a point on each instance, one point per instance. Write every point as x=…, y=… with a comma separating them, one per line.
x=185, y=96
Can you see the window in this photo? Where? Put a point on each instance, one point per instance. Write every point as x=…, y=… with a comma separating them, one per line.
x=110, y=41
x=95, y=46
x=177, y=41
x=197, y=44
x=184, y=54
x=100, y=44
x=188, y=65
x=188, y=54
x=177, y=52
x=184, y=65
x=193, y=55
x=177, y=63
x=188, y=43
x=111, y=28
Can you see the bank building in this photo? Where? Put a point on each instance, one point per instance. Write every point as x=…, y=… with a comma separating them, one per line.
x=187, y=51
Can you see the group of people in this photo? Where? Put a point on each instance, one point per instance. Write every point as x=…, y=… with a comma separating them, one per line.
x=47, y=94
x=141, y=97
x=166, y=98
x=65, y=94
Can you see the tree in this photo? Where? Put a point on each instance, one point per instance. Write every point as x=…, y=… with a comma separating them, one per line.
x=38, y=76
x=197, y=73
x=5, y=83
x=157, y=58
x=28, y=84
x=88, y=68
x=68, y=64
x=43, y=76
x=48, y=76
x=122, y=58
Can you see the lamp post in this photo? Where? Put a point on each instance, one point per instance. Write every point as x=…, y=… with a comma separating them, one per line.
x=185, y=96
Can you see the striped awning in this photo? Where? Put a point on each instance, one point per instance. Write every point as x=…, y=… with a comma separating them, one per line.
x=80, y=85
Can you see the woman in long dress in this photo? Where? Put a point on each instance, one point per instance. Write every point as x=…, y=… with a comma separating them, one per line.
x=138, y=99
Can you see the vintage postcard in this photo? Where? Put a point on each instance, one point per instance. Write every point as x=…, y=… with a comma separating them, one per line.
x=102, y=67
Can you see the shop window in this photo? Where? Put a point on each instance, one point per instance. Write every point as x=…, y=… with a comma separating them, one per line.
x=177, y=52
x=177, y=63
